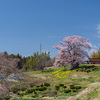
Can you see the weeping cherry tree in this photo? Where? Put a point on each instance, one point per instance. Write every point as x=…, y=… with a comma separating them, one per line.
x=72, y=51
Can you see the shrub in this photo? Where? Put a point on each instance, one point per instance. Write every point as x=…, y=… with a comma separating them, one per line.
x=93, y=69
x=23, y=89
x=88, y=70
x=31, y=85
x=35, y=92
x=67, y=91
x=64, y=86
x=37, y=86
x=44, y=88
x=61, y=84
x=57, y=87
x=8, y=97
x=72, y=86
x=46, y=84
x=74, y=90
x=78, y=87
x=41, y=88
x=30, y=90
x=41, y=85
x=20, y=93
x=15, y=90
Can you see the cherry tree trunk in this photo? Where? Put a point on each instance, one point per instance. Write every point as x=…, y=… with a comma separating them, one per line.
x=75, y=66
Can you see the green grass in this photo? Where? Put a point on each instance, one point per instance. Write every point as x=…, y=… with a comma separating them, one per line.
x=49, y=71
x=74, y=78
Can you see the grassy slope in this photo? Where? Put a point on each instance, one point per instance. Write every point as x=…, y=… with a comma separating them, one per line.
x=77, y=78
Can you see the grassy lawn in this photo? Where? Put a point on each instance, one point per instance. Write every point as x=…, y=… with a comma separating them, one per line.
x=58, y=76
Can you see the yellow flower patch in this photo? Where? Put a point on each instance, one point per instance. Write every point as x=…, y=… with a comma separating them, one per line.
x=62, y=74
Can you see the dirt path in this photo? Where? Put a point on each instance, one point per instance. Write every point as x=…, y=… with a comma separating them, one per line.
x=41, y=76
x=92, y=87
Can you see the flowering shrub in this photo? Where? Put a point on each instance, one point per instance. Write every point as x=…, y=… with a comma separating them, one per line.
x=62, y=74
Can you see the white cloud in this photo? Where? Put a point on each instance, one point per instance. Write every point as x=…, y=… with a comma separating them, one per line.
x=93, y=50
x=93, y=46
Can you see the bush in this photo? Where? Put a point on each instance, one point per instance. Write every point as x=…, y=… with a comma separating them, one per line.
x=67, y=91
x=23, y=89
x=41, y=85
x=78, y=87
x=41, y=88
x=35, y=92
x=20, y=93
x=30, y=90
x=72, y=86
x=61, y=84
x=46, y=84
x=35, y=95
x=31, y=85
x=64, y=86
x=74, y=90
x=15, y=90
x=88, y=70
x=93, y=69
x=44, y=88
x=37, y=86
x=57, y=87
x=8, y=97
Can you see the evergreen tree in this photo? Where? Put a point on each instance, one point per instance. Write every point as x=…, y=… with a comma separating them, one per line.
x=99, y=53
x=95, y=54
x=5, y=53
x=38, y=61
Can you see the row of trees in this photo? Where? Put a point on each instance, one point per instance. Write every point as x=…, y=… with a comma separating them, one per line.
x=38, y=61
x=35, y=62
x=95, y=54
x=72, y=52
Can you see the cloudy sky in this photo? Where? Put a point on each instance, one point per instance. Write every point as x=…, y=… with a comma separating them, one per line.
x=24, y=24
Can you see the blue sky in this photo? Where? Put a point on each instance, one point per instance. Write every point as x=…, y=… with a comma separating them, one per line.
x=24, y=24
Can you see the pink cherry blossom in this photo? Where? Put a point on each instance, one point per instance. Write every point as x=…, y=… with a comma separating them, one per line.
x=72, y=51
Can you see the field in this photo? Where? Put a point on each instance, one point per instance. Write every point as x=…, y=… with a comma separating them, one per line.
x=59, y=84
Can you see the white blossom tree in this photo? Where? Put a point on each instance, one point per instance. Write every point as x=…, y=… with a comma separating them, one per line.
x=72, y=51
